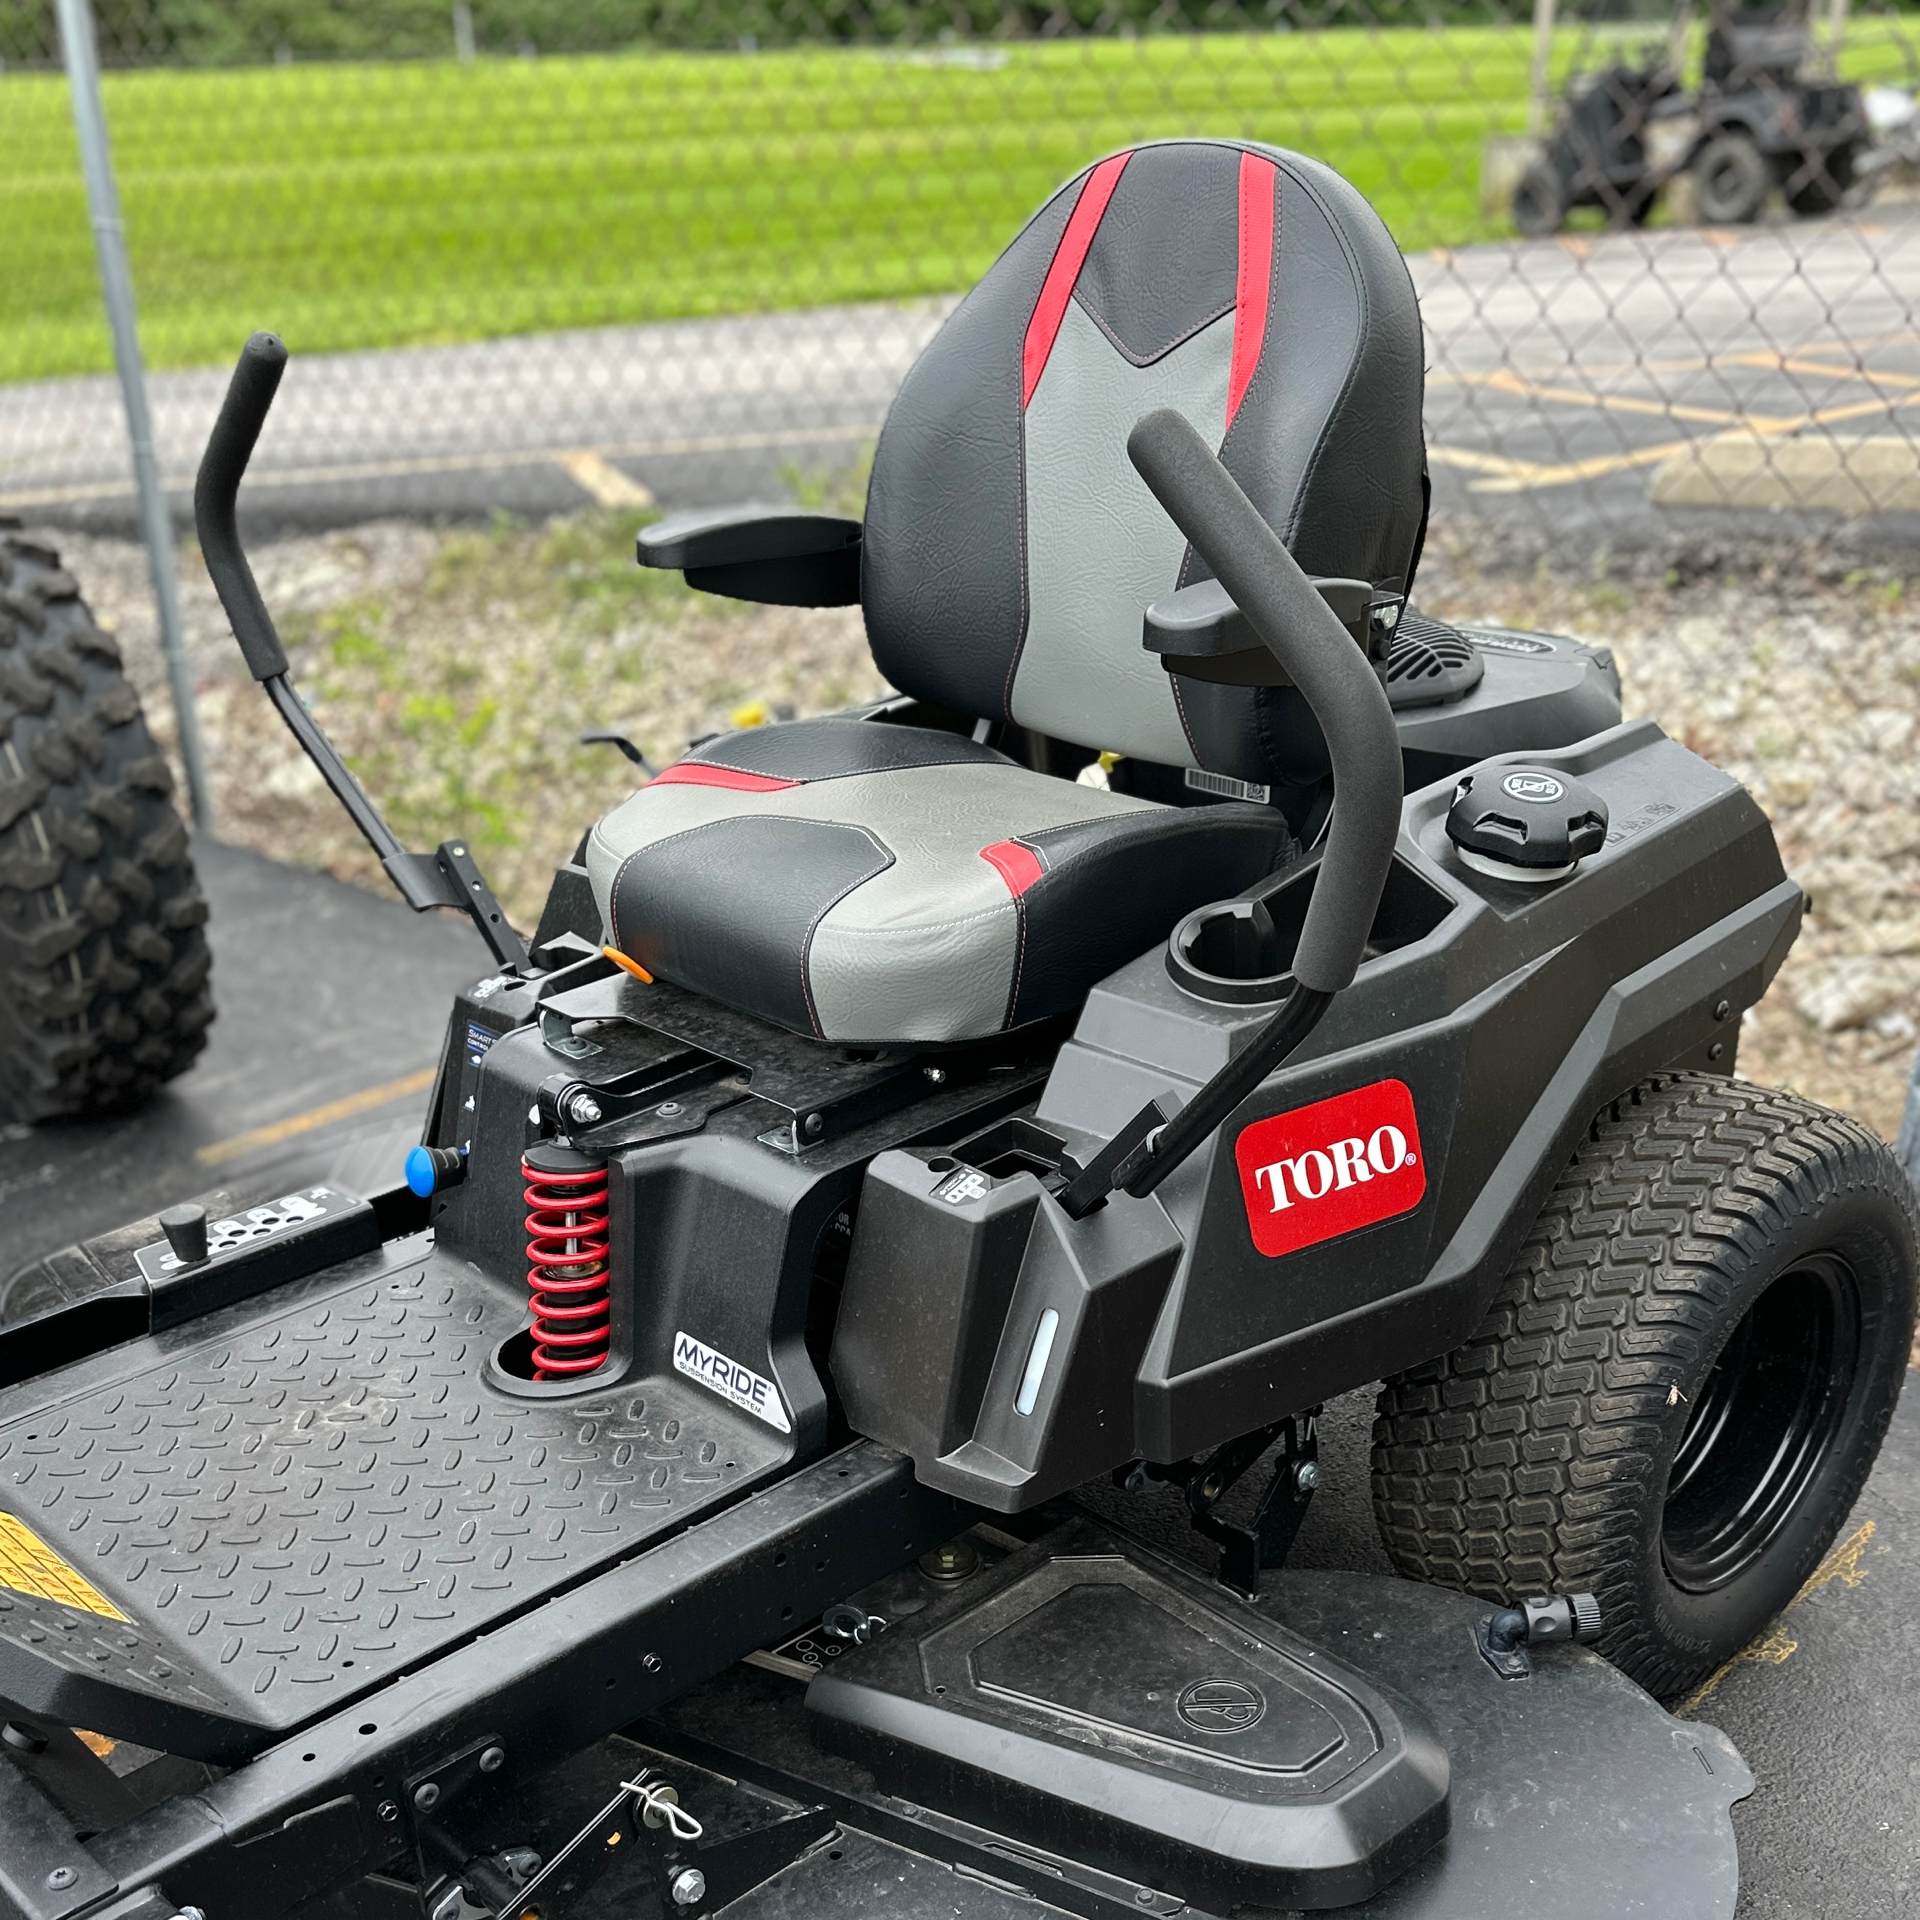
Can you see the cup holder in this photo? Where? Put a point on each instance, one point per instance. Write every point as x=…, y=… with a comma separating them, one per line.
x=1235, y=951
x=1240, y=952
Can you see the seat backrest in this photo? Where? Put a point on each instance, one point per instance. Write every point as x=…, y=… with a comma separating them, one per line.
x=1010, y=548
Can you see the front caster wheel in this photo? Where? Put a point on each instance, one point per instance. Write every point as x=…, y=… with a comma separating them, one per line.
x=1680, y=1389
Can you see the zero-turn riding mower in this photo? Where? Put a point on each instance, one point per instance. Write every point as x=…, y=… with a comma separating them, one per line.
x=1207, y=988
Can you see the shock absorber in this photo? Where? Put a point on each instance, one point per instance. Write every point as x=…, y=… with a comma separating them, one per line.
x=567, y=1277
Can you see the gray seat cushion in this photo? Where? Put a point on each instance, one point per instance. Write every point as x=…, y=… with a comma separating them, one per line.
x=878, y=884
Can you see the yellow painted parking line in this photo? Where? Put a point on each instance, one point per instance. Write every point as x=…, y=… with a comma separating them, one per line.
x=1522, y=476
x=602, y=481
x=1777, y=1646
x=1506, y=381
x=1508, y=475
x=475, y=462
x=222, y=1151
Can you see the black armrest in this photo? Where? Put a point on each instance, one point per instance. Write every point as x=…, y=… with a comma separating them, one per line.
x=781, y=555
x=1201, y=633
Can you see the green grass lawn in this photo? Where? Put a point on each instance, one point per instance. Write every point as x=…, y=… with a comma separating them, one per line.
x=391, y=204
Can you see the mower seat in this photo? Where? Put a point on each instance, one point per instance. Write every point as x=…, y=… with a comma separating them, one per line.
x=875, y=884
x=878, y=883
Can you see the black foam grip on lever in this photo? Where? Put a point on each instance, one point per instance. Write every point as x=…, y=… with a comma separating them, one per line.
x=1286, y=610
x=230, y=446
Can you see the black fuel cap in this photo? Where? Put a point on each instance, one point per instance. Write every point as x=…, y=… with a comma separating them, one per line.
x=1525, y=823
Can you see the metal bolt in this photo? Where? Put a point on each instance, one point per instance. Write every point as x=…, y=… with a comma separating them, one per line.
x=191, y=1913
x=388, y=1810
x=1306, y=1476
x=1144, y=1896
x=651, y=1662
x=811, y=1125
x=583, y=1109
x=689, y=1887
x=1138, y=1479
x=1716, y=1050
x=61, y=1878
x=955, y=1561
x=493, y=1760
x=426, y=1795
x=936, y=1075
x=669, y=1109
x=1723, y=1009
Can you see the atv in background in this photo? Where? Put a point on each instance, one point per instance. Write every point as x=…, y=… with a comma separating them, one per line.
x=1755, y=124
x=103, y=950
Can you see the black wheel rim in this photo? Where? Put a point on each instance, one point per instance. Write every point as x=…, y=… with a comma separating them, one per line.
x=1764, y=1422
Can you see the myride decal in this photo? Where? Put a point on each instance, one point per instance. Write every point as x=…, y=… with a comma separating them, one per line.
x=1331, y=1167
x=730, y=1380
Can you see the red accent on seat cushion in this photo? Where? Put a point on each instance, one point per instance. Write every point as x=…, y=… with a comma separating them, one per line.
x=1069, y=257
x=703, y=773
x=1255, y=284
x=1018, y=866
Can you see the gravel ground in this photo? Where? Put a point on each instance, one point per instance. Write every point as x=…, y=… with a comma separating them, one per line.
x=456, y=667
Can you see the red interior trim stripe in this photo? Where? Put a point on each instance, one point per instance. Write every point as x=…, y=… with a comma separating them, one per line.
x=703, y=773
x=1069, y=257
x=1254, y=286
x=1019, y=866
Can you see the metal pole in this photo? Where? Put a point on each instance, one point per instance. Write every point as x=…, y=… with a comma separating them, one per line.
x=82, y=56
x=1540, y=91
x=462, y=31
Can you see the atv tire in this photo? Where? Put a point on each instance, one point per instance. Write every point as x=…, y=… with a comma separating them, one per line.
x=103, y=952
x=1731, y=181
x=1678, y=1394
x=1821, y=182
x=1539, y=200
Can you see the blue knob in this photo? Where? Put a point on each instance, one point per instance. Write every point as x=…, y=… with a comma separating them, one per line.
x=433, y=1169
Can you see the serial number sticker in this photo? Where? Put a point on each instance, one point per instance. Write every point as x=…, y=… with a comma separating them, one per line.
x=752, y=1392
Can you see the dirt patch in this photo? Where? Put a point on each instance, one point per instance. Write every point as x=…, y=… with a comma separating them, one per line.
x=457, y=668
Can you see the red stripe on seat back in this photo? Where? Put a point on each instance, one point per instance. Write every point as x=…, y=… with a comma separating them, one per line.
x=1069, y=257
x=1018, y=866
x=1254, y=286
x=703, y=773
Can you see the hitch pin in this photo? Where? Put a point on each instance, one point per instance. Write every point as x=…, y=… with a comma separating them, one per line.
x=660, y=1806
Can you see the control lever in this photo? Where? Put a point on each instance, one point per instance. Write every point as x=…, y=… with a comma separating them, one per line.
x=447, y=877
x=1294, y=622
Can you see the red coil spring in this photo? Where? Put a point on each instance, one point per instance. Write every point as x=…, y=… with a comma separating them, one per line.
x=567, y=1269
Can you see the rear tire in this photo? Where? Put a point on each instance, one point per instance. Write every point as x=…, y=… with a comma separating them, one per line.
x=1680, y=1390
x=1828, y=178
x=103, y=953
x=1539, y=201
x=1731, y=180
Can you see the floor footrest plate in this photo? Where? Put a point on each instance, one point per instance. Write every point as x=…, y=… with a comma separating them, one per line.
x=210, y=1537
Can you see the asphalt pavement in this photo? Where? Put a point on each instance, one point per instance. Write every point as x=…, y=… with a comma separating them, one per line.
x=331, y=1006
x=1564, y=376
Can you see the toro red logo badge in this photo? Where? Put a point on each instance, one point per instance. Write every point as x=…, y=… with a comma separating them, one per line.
x=1331, y=1167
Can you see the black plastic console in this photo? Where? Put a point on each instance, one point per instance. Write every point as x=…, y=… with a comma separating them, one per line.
x=1358, y=1211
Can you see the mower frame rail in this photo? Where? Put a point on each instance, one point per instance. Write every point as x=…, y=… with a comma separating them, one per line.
x=337, y=1800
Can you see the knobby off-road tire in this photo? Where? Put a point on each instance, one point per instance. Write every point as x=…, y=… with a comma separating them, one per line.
x=103, y=953
x=1679, y=1391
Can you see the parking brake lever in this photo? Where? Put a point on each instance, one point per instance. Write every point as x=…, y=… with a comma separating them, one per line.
x=1320, y=657
x=448, y=877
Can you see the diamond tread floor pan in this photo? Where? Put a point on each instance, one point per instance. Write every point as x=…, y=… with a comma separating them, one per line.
x=211, y=1536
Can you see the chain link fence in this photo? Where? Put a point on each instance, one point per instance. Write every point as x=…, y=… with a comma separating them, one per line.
x=543, y=258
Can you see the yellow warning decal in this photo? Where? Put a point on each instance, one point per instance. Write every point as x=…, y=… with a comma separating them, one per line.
x=29, y=1565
